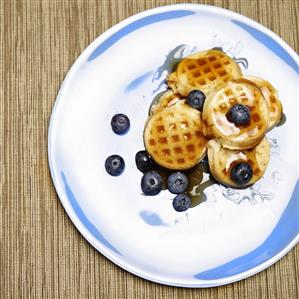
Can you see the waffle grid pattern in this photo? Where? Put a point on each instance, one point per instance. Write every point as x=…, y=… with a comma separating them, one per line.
x=176, y=139
x=240, y=94
x=204, y=70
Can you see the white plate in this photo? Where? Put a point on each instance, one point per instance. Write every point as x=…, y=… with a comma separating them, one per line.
x=232, y=234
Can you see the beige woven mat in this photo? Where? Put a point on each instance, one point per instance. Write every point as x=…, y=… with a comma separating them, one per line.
x=42, y=254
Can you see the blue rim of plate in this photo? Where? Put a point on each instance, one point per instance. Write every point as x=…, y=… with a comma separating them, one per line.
x=257, y=260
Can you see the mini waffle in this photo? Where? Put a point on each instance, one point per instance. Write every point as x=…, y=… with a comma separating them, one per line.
x=204, y=71
x=222, y=160
x=167, y=99
x=173, y=137
x=271, y=96
x=216, y=107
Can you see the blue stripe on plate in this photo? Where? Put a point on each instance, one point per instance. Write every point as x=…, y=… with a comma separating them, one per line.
x=270, y=43
x=285, y=231
x=80, y=214
x=151, y=218
x=163, y=16
x=137, y=81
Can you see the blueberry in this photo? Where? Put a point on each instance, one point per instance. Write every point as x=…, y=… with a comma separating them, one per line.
x=151, y=183
x=120, y=123
x=177, y=183
x=181, y=203
x=239, y=114
x=144, y=161
x=196, y=99
x=241, y=173
x=115, y=165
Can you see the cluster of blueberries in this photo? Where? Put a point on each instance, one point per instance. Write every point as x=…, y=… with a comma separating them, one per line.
x=177, y=182
x=151, y=182
x=120, y=125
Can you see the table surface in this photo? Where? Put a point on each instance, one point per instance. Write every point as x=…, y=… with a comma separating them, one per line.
x=42, y=254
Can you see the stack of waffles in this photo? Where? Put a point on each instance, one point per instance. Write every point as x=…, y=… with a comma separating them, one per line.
x=178, y=136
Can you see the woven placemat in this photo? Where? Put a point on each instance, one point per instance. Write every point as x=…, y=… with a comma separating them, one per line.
x=42, y=255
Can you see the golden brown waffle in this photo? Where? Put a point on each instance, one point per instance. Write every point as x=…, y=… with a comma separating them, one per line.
x=222, y=160
x=204, y=71
x=173, y=137
x=271, y=96
x=167, y=99
x=217, y=105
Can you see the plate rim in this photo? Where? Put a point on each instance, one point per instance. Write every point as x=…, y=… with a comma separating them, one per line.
x=101, y=248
